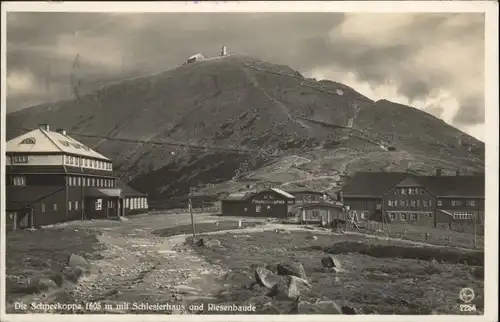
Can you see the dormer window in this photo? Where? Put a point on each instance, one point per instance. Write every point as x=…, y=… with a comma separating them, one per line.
x=28, y=141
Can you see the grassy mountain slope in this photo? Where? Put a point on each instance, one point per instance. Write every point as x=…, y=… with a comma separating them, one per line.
x=239, y=101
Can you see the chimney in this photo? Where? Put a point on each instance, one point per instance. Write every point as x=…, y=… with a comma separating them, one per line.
x=44, y=127
x=438, y=172
x=62, y=131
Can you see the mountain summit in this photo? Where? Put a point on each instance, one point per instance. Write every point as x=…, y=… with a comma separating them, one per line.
x=308, y=130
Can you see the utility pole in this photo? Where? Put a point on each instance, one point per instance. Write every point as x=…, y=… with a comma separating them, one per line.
x=192, y=218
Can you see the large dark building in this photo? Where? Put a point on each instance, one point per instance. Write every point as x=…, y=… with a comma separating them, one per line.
x=449, y=202
x=52, y=178
x=267, y=203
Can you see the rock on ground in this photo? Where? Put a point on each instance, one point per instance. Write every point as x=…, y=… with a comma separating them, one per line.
x=293, y=268
x=331, y=262
x=265, y=277
x=78, y=261
x=289, y=288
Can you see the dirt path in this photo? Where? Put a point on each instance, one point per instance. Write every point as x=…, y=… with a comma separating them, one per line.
x=140, y=267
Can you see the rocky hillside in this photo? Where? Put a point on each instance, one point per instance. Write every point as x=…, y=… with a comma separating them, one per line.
x=239, y=102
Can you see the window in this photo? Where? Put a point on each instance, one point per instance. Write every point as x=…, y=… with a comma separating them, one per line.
x=364, y=215
x=418, y=203
x=43, y=207
x=407, y=202
x=93, y=182
x=19, y=180
x=69, y=205
x=440, y=202
x=88, y=182
x=414, y=217
x=126, y=203
x=55, y=207
x=79, y=181
x=426, y=204
x=403, y=191
x=76, y=205
x=110, y=204
x=258, y=208
x=471, y=203
x=422, y=191
x=403, y=216
x=20, y=159
x=411, y=191
x=430, y=203
x=28, y=141
x=392, y=216
x=268, y=207
x=86, y=162
x=429, y=214
x=456, y=203
x=396, y=192
x=413, y=203
x=462, y=215
x=390, y=203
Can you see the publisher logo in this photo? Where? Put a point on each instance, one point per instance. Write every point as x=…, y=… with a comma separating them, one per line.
x=467, y=295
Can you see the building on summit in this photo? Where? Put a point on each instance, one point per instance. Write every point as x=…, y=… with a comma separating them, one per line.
x=52, y=178
x=449, y=202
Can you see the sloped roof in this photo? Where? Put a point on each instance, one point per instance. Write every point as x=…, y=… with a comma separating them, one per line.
x=459, y=186
x=240, y=195
x=372, y=183
x=40, y=140
x=283, y=193
x=18, y=197
x=127, y=191
x=103, y=192
x=375, y=184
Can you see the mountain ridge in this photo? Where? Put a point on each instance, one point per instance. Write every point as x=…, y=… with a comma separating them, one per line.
x=241, y=101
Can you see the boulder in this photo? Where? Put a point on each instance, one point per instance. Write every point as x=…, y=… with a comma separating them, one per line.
x=348, y=310
x=293, y=268
x=212, y=243
x=78, y=261
x=289, y=288
x=72, y=274
x=265, y=277
x=39, y=284
x=332, y=263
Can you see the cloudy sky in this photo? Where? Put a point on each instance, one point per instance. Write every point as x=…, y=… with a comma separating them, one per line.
x=434, y=62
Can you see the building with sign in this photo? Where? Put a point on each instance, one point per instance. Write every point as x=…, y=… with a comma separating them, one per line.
x=441, y=201
x=52, y=178
x=266, y=203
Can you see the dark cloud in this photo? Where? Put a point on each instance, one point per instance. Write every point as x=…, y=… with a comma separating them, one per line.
x=422, y=54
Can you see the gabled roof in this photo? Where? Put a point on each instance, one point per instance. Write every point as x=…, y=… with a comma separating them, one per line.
x=455, y=186
x=375, y=184
x=128, y=191
x=240, y=195
x=40, y=141
x=304, y=191
x=371, y=184
x=283, y=193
